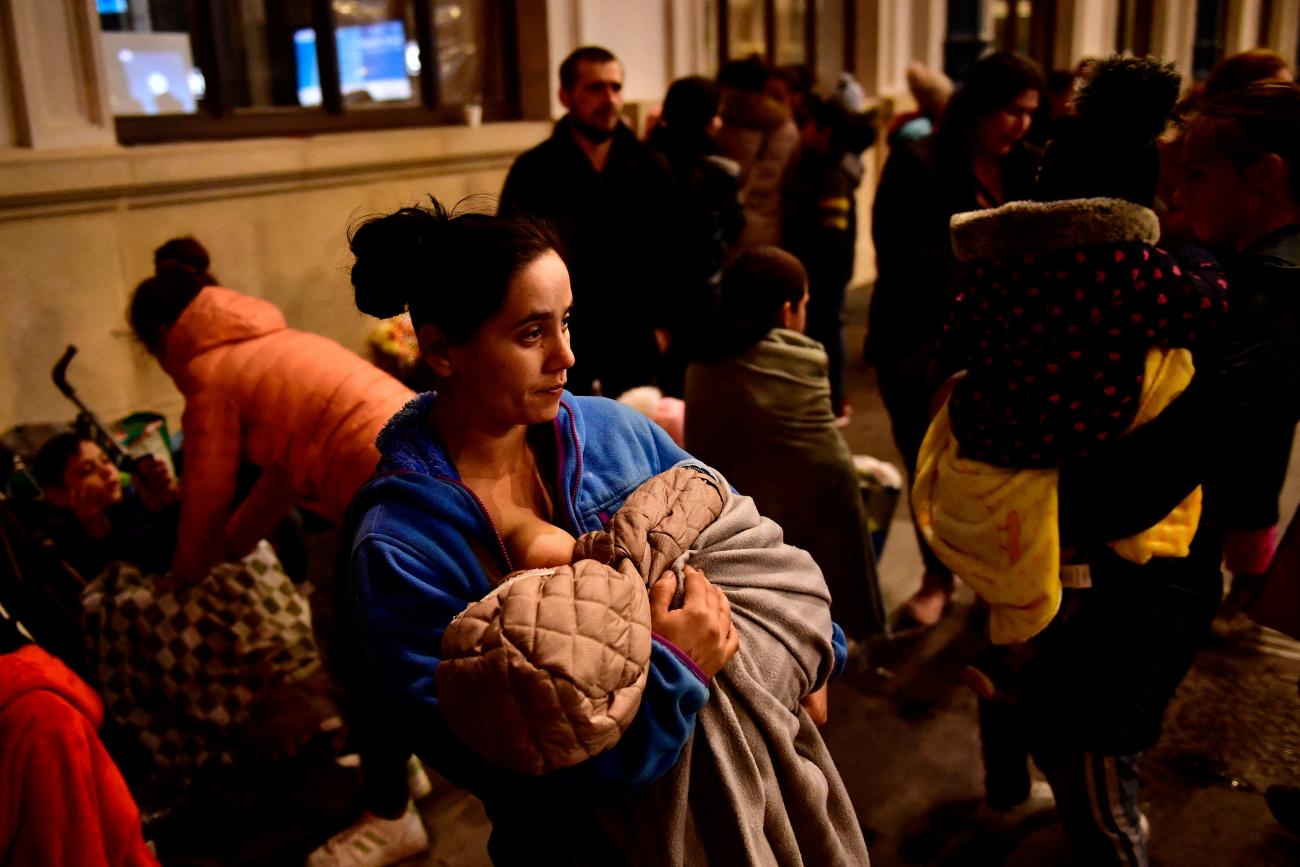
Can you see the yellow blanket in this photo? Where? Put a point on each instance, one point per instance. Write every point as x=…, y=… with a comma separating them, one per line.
x=996, y=527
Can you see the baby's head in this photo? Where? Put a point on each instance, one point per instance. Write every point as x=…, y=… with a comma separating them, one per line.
x=1109, y=149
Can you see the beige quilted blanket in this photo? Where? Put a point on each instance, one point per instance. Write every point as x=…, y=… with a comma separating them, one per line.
x=548, y=669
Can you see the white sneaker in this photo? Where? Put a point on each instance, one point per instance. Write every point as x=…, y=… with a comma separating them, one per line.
x=417, y=780
x=373, y=842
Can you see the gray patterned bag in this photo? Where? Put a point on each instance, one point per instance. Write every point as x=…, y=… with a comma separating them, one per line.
x=183, y=668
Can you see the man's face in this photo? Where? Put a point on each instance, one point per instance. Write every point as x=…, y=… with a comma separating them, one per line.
x=595, y=103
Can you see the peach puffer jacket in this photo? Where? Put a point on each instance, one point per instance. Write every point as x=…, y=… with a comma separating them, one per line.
x=299, y=406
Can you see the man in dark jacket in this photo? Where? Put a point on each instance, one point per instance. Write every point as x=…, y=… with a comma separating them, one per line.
x=617, y=212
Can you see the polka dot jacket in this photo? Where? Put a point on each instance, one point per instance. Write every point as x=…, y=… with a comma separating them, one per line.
x=1054, y=344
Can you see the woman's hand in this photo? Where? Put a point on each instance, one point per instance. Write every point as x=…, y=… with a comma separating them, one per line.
x=154, y=483
x=702, y=627
x=815, y=704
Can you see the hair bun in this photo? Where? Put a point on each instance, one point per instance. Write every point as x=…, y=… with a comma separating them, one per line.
x=394, y=253
x=1128, y=99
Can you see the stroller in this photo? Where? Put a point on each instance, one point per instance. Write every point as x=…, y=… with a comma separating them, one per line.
x=168, y=702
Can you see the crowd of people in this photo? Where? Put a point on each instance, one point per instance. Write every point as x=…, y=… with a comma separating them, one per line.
x=619, y=635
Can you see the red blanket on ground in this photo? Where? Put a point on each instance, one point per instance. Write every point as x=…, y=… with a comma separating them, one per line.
x=62, y=800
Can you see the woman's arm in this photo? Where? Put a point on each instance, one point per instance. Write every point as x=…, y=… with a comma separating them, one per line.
x=1138, y=479
x=266, y=505
x=212, y=447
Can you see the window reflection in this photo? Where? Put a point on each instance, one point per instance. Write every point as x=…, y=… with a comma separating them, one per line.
x=148, y=57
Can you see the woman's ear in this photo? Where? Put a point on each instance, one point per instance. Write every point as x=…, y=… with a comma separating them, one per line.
x=1268, y=174
x=57, y=496
x=435, y=349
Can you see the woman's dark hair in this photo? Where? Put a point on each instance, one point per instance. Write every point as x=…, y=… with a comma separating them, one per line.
x=992, y=83
x=182, y=251
x=1247, y=125
x=749, y=75
x=755, y=287
x=52, y=459
x=691, y=104
x=1109, y=147
x=180, y=274
x=689, y=109
x=451, y=271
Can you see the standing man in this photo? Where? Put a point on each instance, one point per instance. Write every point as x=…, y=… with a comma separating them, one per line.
x=616, y=208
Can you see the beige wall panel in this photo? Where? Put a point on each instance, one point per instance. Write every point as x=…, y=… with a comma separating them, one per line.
x=68, y=279
x=60, y=283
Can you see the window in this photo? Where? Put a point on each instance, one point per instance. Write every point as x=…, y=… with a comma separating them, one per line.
x=1208, y=46
x=1133, y=30
x=191, y=69
x=784, y=32
x=964, y=42
x=1026, y=26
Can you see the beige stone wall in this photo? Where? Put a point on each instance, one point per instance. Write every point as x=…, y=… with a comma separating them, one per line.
x=77, y=232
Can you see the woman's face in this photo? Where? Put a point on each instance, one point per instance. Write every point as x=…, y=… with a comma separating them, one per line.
x=997, y=133
x=1215, y=196
x=515, y=366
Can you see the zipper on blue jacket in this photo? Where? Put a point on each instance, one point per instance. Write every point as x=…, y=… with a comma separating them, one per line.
x=501, y=543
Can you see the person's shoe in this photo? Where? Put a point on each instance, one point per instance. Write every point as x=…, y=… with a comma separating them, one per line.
x=417, y=780
x=992, y=816
x=1284, y=803
x=373, y=842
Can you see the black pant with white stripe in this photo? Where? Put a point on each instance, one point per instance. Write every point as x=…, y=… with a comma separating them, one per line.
x=1096, y=798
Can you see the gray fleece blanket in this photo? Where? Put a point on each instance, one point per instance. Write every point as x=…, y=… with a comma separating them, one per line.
x=755, y=784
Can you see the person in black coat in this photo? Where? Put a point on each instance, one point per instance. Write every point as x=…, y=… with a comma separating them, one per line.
x=614, y=204
x=1094, y=696
x=709, y=185
x=821, y=221
x=977, y=159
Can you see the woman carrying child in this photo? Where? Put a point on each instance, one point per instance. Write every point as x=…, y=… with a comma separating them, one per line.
x=500, y=470
x=1077, y=331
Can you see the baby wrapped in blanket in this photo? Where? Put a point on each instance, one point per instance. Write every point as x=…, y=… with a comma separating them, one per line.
x=548, y=670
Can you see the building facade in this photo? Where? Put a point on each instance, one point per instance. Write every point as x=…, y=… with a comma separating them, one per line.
x=265, y=128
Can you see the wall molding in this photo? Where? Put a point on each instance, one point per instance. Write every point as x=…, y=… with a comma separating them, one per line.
x=34, y=183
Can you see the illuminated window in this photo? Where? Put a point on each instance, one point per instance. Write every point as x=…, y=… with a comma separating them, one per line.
x=284, y=67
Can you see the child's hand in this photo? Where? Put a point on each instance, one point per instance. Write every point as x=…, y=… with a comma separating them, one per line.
x=815, y=704
x=702, y=627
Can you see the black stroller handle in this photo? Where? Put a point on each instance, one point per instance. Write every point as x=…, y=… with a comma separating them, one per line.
x=85, y=418
x=60, y=374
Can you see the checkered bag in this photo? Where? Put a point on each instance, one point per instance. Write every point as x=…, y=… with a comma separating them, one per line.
x=184, y=668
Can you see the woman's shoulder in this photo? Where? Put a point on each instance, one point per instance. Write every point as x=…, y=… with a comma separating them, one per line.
x=616, y=445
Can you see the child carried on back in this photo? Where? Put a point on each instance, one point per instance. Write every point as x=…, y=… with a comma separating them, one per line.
x=1073, y=326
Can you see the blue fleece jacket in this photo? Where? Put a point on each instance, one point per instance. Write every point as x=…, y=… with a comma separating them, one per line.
x=422, y=552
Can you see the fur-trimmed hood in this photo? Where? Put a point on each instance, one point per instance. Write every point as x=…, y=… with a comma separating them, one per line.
x=1026, y=228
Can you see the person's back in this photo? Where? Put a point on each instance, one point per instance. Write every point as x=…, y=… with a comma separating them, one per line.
x=709, y=186
x=298, y=406
x=302, y=403
x=760, y=134
x=758, y=408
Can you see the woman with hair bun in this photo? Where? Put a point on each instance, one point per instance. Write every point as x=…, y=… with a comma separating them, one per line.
x=300, y=407
x=498, y=471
